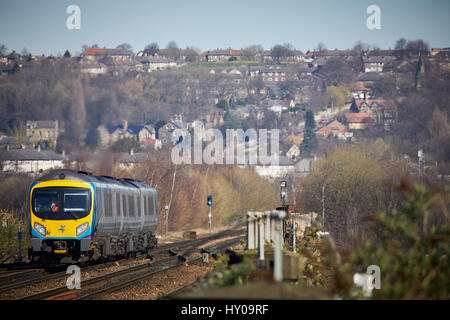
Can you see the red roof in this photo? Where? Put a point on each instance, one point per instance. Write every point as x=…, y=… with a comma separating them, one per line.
x=94, y=52
x=357, y=86
x=236, y=52
x=358, y=118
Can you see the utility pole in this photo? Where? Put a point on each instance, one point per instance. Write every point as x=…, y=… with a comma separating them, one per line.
x=166, y=207
x=323, y=206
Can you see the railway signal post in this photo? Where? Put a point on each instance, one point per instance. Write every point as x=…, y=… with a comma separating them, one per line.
x=209, y=203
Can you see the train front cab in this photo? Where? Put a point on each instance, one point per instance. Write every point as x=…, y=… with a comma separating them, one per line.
x=62, y=217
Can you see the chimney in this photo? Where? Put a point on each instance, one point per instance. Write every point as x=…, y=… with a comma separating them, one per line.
x=131, y=151
x=125, y=124
x=39, y=148
x=64, y=153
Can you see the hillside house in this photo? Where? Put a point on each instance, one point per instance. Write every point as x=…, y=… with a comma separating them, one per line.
x=31, y=161
x=222, y=55
x=119, y=54
x=167, y=133
x=295, y=139
x=358, y=121
x=144, y=134
x=277, y=106
x=383, y=111
x=334, y=128
x=293, y=152
x=42, y=131
x=93, y=54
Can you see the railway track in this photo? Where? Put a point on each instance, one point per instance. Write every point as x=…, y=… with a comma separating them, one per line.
x=173, y=262
x=12, y=283
x=155, y=254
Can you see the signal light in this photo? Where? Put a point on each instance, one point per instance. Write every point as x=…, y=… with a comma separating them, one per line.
x=209, y=200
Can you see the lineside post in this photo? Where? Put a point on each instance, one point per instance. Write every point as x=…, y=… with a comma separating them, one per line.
x=278, y=239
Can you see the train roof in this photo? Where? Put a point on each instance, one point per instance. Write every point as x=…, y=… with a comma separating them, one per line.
x=88, y=177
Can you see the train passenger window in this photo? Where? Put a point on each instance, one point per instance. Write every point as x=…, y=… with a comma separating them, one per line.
x=99, y=200
x=131, y=206
x=145, y=206
x=124, y=206
x=108, y=204
x=118, y=204
x=139, y=206
x=150, y=205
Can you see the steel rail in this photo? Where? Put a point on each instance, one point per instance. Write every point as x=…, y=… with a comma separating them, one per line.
x=125, y=284
x=61, y=290
x=157, y=250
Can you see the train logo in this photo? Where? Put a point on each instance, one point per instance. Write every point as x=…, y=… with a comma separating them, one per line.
x=62, y=229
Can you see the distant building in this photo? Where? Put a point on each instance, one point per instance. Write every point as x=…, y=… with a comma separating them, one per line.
x=221, y=55
x=126, y=161
x=358, y=121
x=166, y=133
x=334, y=128
x=293, y=152
x=93, y=54
x=42, y=131
x=33, y=161
x=284, y=167
x=382, y=111
x=144, y=134
x=295, y=139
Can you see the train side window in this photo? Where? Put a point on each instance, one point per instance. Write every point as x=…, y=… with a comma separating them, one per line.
x=124, y=206
x=139, y=197
x=131, y=206
x=118, y=204
x=145, y=206
x=108, y=203
x=100, y=204
x=150, y=205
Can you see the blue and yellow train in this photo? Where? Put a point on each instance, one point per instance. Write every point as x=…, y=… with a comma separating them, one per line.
x=77, y=217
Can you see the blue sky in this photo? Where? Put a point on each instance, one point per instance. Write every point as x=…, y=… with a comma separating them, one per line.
x=40, y=26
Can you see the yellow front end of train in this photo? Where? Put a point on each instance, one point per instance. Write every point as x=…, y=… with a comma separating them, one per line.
x=62, y=216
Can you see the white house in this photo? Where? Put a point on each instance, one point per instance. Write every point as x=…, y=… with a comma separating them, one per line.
x=32, y=161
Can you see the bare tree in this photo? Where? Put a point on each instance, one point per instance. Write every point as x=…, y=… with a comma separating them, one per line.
x=151, y=49
x=125, y=46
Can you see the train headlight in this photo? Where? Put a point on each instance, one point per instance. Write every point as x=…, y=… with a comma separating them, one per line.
x=40, y=229
x=82, y=228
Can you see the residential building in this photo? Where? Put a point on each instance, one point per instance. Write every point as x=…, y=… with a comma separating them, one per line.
x=295, y=139
x=144, y=134
x=293, y=152
x=358, y=121
x=334, y=128
x=222, y=55
x=32, y=161
x=93, y=54
x=168, y=134
x=383, y=111
x=42, y=131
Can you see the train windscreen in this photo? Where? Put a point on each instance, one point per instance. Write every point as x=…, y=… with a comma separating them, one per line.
x=61, y=203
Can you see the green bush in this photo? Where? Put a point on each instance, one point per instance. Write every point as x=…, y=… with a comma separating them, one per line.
x=411, y=248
